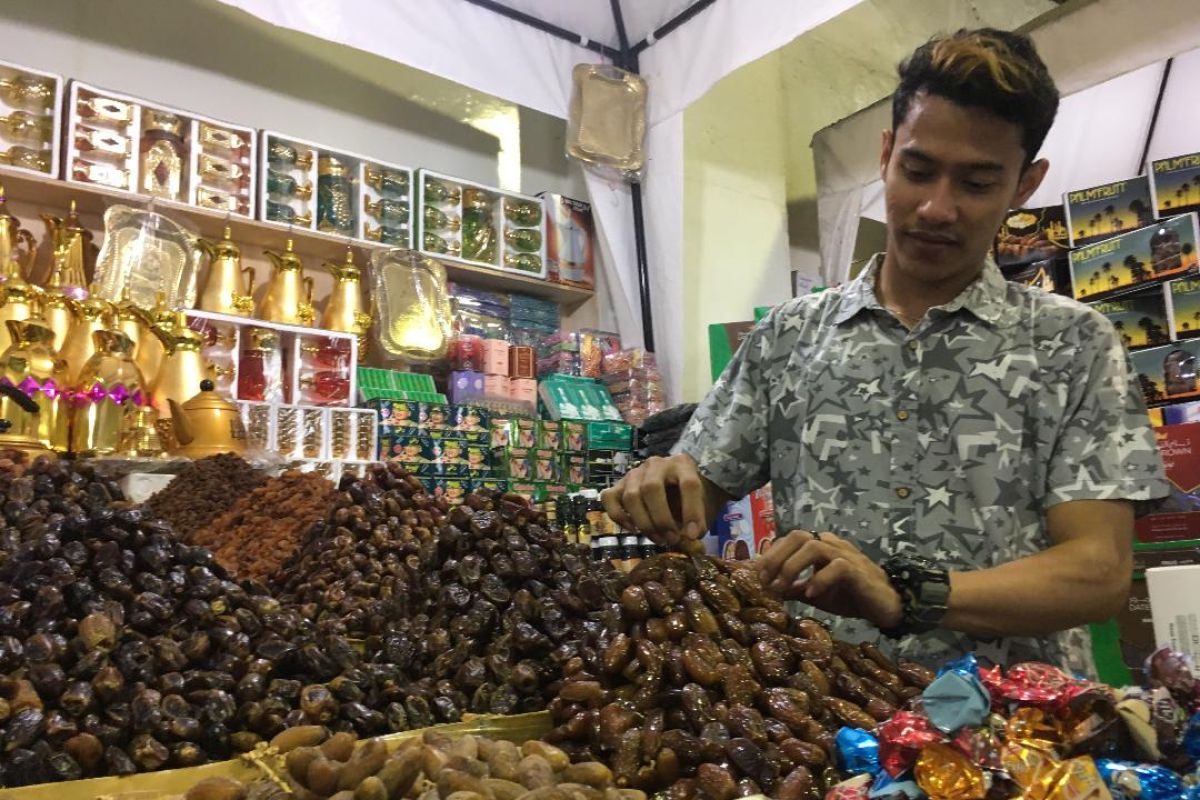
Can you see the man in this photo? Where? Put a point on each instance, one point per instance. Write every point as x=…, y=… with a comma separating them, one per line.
x=956, y=457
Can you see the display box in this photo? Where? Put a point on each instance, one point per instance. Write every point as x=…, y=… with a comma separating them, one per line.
x=1101, y=212
x=550, y=435
x=1141, y=318
x=302, y=432
x=479, y=225
x=1148, y=255
x=570, y=241
x=385, y=210
x=465, y=385
x=259, y=422
x=1175, y=184
x=1052, y=276
x=1178, y=515
x=516, y=463
x=1169, y=374
x=523, y=390
x=1183, y=307
x=546, y=465
x=574, y=438
x=574, y=468
x=1175, y=607
x=524, y=433
x=1032, y=234
x=30, y=103
x=352, y=434
x=135, y=145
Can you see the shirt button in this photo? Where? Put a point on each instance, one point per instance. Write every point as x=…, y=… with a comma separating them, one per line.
x=902, y=415
x=902, y=492
x=913, y=344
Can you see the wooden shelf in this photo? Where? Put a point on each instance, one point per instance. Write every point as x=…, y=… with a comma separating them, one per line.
x=250, y=234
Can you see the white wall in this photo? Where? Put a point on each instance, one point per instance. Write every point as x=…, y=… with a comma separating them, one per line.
x=204, y=57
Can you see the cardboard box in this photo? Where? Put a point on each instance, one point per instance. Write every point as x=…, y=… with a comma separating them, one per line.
x=43, y=149
x=499, y=434
x=1175, y=184
x=1178, y=516
x=1169, y=374
x=574, y=468
x=497, y=386
x=1051, y=276
x=550, y=435
x=1176, y=414
x=1032, y=234
x=1183, y=307
x=465, y=385
x=574, y=438
x=495, y=357
x=522, y=362
x=1100, y=212
x=517, y=463
x=1175, y=607
x=489, y=484
x=570, y=241
x=1141, y=318
x=523, y=390
x=470, y=418
x=1144, y=256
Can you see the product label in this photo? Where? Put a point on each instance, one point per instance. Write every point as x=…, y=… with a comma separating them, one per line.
x=1104, y=211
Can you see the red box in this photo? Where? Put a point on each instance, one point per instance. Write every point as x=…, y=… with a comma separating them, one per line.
x=1179, y=515
x=496, y=386
x=523, y=390
x=522, y=363
x=495, y=357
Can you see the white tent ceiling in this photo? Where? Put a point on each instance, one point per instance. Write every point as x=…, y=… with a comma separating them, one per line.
x=594, y=18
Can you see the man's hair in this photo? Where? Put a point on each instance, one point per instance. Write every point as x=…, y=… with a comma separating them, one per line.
x=994, y=70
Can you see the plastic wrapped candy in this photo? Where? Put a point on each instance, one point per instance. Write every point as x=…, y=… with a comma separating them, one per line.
x=966, y=665
x=1129, y=781
x=901, y=739
x=887, y=786
x=1028, y=766
x=980, y=745
x=946, y=774
x=858, y=751
x=1073, y=779
x=855, y=788
x=1034, y=727
x=956, y=700
x=1034, y=683
x=1091, y=725
x=1174, y=670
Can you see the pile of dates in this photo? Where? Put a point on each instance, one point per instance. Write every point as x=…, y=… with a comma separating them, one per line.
x=432, y=767
x=484, y=599
x=123, y=650
x=706, y=688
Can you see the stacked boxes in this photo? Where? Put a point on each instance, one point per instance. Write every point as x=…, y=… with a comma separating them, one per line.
x=447, y=447
x=549, y=456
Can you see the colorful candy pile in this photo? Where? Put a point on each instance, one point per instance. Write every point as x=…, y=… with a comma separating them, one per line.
x=1036, y=733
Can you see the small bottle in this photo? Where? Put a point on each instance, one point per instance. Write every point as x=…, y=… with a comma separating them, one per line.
x=388, y=210
x=388, y=235
x=562, y=510
x=27, y=91
x=281, y=183
x=26, y=158
x=609, y=550
x=284, y=156
x=334, y=214
x=28, y=127
x=282, y=212
x=522, y=212
x=164, y=154
x=438, y=192
x=436, y=244
x=438, y=220
x=388, y=183
x=583, y=520
x=647, y=548
x=630, y=552
x=526, y=262
x=527, y=240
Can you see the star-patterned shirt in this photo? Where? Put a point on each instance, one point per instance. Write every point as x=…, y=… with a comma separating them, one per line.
x=949, y=441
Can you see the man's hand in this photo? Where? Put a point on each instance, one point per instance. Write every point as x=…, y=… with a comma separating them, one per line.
x=843, y=580
x=666, y=499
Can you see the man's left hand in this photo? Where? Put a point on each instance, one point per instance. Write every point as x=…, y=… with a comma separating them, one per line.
x=843, y=580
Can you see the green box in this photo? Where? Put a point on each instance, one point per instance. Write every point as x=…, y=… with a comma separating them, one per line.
x=574, y=467
x=610, y=436
x=550, y=435
x=523, y=488
x=574, y=438
x=489, y=484
x=517, y=463
x=546, y=466
x=523, y=433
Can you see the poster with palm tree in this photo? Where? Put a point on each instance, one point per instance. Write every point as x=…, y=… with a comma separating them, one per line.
x=1101, y=212
x=1140, y=318
x=1149, y=255
x=1183, y=307
x=1175, y=184
x=1170, y=373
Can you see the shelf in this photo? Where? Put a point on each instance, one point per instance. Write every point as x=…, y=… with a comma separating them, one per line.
x=94, y=200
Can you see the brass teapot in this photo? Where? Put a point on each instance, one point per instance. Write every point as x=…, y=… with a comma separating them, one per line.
x=289, y=292
x=345, y=311
x=17, y=250
x=20, y=415
x=110, y=389
x=206, y=425
x=88, y=316
x=31, y=365
x=229, y=288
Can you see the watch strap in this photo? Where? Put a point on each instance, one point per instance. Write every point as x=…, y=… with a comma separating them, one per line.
x=924, y=589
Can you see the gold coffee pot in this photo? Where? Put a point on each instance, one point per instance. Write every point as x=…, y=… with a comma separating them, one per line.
x=67, y=281
x=31, y=365
x=182, y=367
x=223, y=291
x=345, y=312
x=20, y=412
x=17, y=251
x=289, y=292
x=149, y=351
x=110, y=388
x=206, y=425
x=88, y=316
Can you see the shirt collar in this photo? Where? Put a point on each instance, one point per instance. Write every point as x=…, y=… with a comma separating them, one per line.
x=986, y=297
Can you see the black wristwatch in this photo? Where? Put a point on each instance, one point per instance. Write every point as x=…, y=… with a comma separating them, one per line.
x=924, y=590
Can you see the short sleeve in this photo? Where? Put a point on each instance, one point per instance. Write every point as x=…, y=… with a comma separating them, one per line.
x=727, y=436
x=1105, y=448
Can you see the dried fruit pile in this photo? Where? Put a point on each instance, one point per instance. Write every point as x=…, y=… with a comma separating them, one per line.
x=123, y=650
x=488, y=599
x=708, y=689
x=265, y=527
x=204, y=490
x=433, y=767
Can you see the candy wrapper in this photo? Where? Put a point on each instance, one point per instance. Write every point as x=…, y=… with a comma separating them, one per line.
x=1033, y=727
x=856, y=788
x=1129, y=781
x=1031, y=683
x=1175, y=671
x=858, y=751
x=980, y=745
x=1073, y=779
x=964, y=665
x=901, y=740
x=946, y=774
x=903, y=787
x=1091, y=725
x=1191, y=737
x=1028, y=766
x=956, y=699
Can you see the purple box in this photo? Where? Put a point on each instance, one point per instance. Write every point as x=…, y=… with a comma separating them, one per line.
x=465, y=385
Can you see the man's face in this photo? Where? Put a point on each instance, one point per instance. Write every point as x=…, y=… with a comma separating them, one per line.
x=950, y=174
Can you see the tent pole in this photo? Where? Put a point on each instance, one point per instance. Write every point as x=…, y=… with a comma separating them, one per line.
x=671, y=24
x=546, y=27
x=1162, y=88
x=629, y=61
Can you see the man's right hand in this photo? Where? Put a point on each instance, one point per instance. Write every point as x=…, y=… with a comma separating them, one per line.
x=666, y=499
